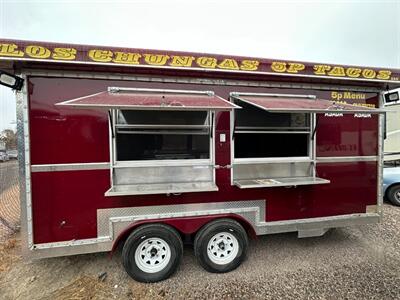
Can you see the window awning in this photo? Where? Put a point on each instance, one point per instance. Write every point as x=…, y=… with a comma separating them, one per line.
x=303, y=105
x=142, y=99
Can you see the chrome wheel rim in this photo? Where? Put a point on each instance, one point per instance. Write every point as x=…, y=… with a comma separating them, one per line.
x=397, y=195
x=152, y=255
x=222, y=248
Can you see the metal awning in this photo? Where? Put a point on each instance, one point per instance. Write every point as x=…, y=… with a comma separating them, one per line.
x=151, y=99
x=302, y=104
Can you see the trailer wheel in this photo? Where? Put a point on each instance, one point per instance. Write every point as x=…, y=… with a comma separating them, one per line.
x=221, y=245
x=393, y=194
x=152, y=253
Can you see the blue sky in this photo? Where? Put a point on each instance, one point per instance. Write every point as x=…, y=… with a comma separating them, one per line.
x=342, y=32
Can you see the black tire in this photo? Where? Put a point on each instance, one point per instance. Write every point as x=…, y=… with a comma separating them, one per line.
x=393, y=195
x=144, y=233
x=208, y=232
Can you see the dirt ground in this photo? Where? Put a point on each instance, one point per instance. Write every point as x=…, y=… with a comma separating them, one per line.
x=9, y=199
x=9, y=211
x=360, y=262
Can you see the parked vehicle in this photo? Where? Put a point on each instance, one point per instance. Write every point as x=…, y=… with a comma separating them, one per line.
x=391, y=184
x=3, y=157
x=146, y=149
x=12, y=154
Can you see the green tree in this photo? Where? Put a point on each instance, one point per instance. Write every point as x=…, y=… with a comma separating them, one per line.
x=10, y=138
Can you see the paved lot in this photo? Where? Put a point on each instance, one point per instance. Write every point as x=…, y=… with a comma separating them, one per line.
x=350, y=263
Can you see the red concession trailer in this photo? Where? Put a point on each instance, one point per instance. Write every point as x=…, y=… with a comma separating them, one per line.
x=148, y=149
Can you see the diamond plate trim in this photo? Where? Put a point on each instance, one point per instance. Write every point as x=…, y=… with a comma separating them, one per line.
x=111, y=222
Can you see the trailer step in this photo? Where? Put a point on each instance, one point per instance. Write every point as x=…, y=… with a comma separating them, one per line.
x=312, y=232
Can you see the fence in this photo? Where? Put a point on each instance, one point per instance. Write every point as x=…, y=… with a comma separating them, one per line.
x=9, y=199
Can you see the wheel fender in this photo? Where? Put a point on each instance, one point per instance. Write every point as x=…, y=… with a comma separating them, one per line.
x=184, y=225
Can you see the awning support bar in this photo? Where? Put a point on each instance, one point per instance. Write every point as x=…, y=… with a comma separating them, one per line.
x=114, y=89
x=236, y=95
x=315, y=128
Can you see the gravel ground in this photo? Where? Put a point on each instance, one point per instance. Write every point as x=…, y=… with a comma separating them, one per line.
x=9, y=199
x=349, y=263
x=8, y=174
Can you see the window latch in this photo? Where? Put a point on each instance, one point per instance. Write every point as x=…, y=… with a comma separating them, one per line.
x=223, y=167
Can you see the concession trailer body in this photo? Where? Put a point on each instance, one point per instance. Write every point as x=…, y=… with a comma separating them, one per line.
x=146, y=149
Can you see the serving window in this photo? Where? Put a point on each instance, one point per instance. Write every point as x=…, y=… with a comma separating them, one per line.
x=272, y=148
x=274, y=138
x=261, y=134
x=162, y=135
x=161, y=141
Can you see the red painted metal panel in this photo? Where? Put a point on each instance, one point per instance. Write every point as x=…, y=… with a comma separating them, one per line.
x=353, y=187
x=302, y=105
x=65, y=203
x=67, y=135
x=146, y=100
x=347, y=136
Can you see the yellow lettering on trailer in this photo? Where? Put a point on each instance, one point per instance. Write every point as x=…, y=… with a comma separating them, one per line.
x=384, y=74
x=37, y=51
x=295, y=67
x=249, y=65
x=229, y=63
x=206, y=62
x=10, y=50
x=336, y=95
x=64, y=53
x=181, y=61
x=353, y=72
x=347, y=95
x=126, y=58
x=364, y=105
x=321, y=69
x=278, y=66
x=353, y=96
x=156, y=59
x=368, y=73
x=100, y=55
x=337, y=71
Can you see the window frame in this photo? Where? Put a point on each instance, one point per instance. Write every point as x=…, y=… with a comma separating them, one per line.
x=210, y=124
x=167, y=162
x=276, y=130
x=311, y=157
x=116, y=164
x=309, y=133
